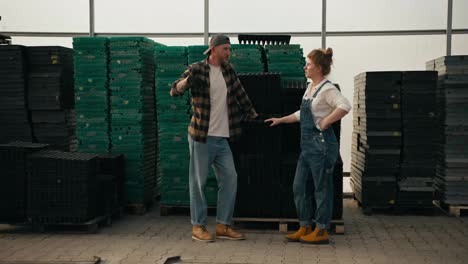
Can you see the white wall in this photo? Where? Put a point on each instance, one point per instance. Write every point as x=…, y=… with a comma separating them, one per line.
x=44, y=15
x=265, y=15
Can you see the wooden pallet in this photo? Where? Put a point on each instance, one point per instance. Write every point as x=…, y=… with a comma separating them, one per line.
x=136, y=208
x=336, y=226
x=392, y=209
x=166, y=210
x=400, y=210
x=453, y=210
x=89, y=227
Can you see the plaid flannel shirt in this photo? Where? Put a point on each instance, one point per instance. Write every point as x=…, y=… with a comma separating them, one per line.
x=237, y=100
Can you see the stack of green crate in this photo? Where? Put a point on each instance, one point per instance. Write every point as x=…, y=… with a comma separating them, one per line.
x=91, y=93
x=195, y=53
x=247, y=58
x=174, y=115
x=288, y=60
x=171, y=62
x=133, y=123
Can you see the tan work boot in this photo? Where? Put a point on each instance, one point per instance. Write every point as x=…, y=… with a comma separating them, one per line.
x=200, y=233
x=226, y=232
x=303, y=230
x=318, y=236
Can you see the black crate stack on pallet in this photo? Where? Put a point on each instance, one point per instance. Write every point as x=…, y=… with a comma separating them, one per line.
x=258, y=159
x=92, y=93
x=264, y=90
x=71, y=187
x=337, y=178
x=451, y=184
x=133, y=124
x=258, y=152
x=419, y=127
x=111, y=176
x=63, y=187
x=51, y=96
x=376, y=138
x=14, y=114
x=394, y=140
x=266, y=157
x=13, y=180
x=338, y=173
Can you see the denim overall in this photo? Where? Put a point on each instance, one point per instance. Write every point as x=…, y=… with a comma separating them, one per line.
x=319, y=151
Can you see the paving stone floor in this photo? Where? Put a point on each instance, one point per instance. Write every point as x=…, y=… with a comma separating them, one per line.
x=151, y=238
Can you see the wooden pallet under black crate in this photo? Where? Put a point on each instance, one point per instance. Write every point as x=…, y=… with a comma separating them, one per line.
x=138, y=208
x=336, y=226
x=453, y=210
x=166, y=210
x=89, y=227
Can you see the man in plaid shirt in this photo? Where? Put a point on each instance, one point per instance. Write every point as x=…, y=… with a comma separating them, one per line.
x=218, y=102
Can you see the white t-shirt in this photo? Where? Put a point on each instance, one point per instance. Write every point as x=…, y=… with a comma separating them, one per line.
x=328, y=98
x=219, y=121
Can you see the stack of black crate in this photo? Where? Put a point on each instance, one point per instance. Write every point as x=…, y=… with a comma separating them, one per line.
x=266, y=157
x=338, y=174
x=14, y=115
x=111, y=178
x=376, y=139
x=419, y=125
x=394, y=140
x=51, y=96
x=451, y=184
x=258, y=152
x=64, y=188
x=13, y=180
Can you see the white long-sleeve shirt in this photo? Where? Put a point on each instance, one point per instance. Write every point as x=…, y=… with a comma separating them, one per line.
x=328, y=98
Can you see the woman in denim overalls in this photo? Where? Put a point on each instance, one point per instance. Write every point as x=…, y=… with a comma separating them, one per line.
x=322, y=105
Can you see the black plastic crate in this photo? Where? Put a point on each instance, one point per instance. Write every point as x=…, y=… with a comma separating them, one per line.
x=264, y=91
x=13, y=180
x=114, y=165
x=50, y=90
x=63, y=186
x=52, y=116
x=264, y=39
x=374, y=192
x=45, y=58
x=12, y=60
x=258, y=166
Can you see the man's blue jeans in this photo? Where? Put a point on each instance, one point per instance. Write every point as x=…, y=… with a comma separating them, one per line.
x=215, y=153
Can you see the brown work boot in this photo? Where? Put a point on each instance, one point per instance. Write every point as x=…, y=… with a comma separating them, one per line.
x=318, y=236
x=200, y=233
x=226, y=232
x=303, y=230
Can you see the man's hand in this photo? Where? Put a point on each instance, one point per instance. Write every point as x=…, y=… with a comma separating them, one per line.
x=274, y=121
x=178, y=88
